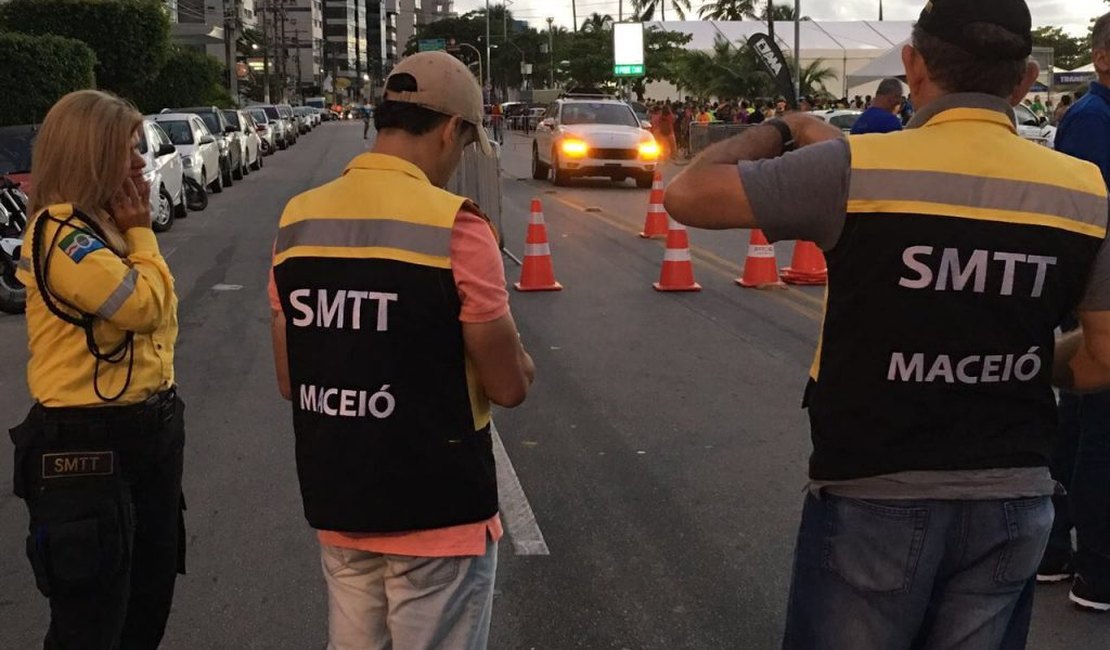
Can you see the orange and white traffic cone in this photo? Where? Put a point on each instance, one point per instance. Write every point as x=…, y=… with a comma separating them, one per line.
x=808, y=265
x=655, y=225
x=678, y=269
x=538, y=273
x=760, y=269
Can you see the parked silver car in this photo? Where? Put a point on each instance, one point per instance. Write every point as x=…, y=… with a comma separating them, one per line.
x=251, y=144
x=284, y=133
x=266, y=128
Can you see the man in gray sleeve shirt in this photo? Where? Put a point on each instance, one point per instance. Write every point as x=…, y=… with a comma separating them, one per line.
x=954, y=249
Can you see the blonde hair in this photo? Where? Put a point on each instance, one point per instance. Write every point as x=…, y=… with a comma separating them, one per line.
x=80, y=157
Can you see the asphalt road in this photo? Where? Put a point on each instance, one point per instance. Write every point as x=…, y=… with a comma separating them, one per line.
x=662, y=450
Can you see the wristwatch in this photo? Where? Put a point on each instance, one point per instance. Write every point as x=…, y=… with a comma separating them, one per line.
x=785, y=132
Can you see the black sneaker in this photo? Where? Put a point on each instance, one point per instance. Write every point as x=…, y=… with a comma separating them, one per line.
x=1087, y=596
x=1055, y=569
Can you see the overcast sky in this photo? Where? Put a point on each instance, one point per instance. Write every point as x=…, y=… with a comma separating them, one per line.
x=1073, y=15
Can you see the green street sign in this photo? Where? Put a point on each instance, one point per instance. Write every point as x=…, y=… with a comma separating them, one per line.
x=433, y=44
x=636, y=70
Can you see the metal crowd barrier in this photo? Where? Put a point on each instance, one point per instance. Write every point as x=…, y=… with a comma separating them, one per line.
x=704, y=134
x=478, y=178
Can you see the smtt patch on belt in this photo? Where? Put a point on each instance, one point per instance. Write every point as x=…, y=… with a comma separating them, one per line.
x=78, y=463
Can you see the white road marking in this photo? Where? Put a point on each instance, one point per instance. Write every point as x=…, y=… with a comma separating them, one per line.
x=516, y=512
x=169, y=252
x=227, y=287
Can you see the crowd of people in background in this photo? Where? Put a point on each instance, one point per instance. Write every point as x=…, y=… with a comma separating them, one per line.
x=671, y=120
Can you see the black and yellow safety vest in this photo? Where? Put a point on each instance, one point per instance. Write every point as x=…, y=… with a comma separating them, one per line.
x=964, y=248
x=392, y=430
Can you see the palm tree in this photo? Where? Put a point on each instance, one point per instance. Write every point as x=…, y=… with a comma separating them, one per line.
x=782, y=11
x=815, y=75
x=723, y=10
x=645, y=9
x=597, y=23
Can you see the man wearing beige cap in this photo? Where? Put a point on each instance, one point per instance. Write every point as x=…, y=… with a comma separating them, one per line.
x=392, y=336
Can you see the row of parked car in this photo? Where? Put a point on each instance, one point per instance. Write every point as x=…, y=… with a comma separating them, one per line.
x=206, y=149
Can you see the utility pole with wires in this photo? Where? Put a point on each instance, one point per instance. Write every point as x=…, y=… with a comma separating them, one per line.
x=231, y=31
x=265, y=56
x=284, y=55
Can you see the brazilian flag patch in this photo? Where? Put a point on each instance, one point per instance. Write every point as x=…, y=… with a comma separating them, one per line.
x=78, y=244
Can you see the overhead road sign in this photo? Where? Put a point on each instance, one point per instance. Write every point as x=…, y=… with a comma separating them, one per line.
x=432, y=44
x=628, y=49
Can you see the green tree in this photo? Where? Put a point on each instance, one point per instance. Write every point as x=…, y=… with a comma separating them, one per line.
x=663, y=50
x=597, y=23
x=189, y=78
x=131, y=38
x=814, y=76
x=1069, y=52
x=38, y=71
x=645, y=9
x=727, y=10
x=782, y=11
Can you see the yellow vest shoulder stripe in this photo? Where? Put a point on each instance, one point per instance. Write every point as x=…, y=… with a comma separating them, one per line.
x=977, y=197
x=981, y=214
x=969, y=148
x=371, y=252
x=433, y=241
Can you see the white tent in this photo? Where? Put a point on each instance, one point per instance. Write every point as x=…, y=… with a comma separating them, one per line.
x=1090, y=67
x=844, y=46
x=882, y=67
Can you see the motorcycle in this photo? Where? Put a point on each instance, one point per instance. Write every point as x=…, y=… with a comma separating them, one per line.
x=13, y=221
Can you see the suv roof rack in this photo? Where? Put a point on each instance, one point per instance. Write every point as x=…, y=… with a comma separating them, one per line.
x=586, y=95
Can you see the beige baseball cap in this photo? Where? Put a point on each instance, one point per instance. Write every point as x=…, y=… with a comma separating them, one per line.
x=444, y=85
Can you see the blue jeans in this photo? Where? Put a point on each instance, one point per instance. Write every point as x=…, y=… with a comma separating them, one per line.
x=890, y=575
x=1081, y=463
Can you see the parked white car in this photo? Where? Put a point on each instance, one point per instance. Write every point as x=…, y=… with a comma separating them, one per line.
x=1034, y=128
x=842, y=118
x=593, y=136
x=250, y=141
x=164, y=172
x=200, y=155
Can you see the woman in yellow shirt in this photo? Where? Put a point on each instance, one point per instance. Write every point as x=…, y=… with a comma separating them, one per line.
x=98, y=459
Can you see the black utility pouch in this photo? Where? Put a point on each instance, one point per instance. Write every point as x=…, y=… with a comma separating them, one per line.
x=80, y=535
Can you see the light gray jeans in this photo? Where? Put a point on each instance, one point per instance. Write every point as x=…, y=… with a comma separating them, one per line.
x=398, y=602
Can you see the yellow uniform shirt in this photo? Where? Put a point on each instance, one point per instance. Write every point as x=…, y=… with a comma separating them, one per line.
x=132, y=294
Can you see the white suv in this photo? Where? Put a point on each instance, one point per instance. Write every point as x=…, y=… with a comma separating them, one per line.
x=591, y=135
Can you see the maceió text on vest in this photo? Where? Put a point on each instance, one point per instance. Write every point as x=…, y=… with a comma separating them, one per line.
x=972, y=369
x=954, y=275
x=348, y=403
x=332, y=312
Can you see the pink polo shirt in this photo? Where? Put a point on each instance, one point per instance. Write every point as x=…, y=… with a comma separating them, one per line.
x=480, y=278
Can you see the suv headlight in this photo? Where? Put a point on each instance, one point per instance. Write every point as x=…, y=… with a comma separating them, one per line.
x=649, y=150
x=575, y=148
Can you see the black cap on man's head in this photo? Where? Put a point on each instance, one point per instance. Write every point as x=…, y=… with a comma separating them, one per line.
x=946, y=20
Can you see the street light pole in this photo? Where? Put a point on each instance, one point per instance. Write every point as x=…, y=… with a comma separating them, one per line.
x=489, y=62
x=797, y=51
x=477, y=54
x=551, y=49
